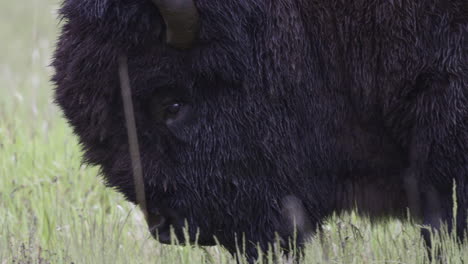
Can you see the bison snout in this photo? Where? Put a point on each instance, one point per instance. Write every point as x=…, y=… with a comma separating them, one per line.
x=168, y=226
x=155, y=221
x=160, y=226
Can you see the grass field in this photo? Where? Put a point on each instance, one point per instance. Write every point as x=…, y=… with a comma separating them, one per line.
x=54, y=210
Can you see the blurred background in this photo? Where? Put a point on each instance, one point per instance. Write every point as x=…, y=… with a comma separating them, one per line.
x=53, y=209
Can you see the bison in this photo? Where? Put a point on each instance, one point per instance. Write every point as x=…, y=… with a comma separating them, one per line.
x=258, y=117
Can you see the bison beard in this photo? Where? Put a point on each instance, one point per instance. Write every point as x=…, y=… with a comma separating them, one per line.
x=255, y=115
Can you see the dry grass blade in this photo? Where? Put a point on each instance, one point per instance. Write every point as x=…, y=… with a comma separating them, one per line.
x=132, y=134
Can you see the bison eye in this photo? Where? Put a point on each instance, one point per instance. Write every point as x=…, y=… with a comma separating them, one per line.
x=173, y=109
x=176, y=114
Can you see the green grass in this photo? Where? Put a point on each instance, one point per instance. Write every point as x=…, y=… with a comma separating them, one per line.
x=54, y=210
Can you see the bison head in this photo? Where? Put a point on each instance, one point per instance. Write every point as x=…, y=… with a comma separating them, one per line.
x=222, y=114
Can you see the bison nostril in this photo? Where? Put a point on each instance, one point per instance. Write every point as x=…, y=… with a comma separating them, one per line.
x=155, y=220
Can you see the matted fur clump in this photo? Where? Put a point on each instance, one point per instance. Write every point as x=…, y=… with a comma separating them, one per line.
x=269, y=115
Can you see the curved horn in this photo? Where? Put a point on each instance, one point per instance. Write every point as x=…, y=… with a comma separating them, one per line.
x=181, y=18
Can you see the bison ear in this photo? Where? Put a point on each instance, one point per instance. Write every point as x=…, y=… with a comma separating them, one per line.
x=182, y=21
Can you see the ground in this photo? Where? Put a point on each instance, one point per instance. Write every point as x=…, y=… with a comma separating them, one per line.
x=54, y=210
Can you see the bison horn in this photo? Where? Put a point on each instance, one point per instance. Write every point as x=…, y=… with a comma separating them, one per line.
x=181, y=18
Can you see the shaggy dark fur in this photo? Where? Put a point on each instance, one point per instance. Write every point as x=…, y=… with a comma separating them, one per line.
x=327, y=103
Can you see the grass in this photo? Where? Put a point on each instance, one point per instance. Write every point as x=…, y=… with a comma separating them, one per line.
x=54, y=210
